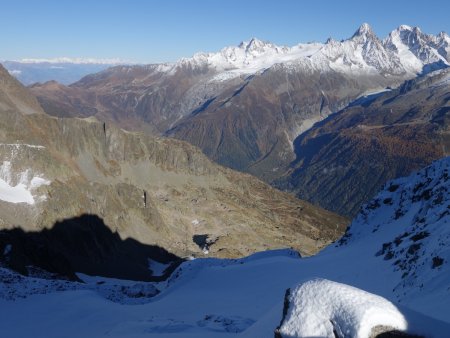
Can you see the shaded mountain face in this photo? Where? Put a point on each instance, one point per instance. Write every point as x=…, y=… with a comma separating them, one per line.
x=244, y=105
x=158, y=191
x=345, y=159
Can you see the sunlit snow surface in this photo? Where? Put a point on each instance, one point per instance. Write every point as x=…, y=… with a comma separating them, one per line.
x=321, y=307
x=19, y=187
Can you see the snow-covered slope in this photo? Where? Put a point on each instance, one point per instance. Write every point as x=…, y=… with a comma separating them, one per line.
x=409, y=224
x=249, y=57
x=416, y=49
x=405, y=52
x=398, y=248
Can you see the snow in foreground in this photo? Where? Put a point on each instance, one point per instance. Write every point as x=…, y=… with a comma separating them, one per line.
x=320, y=307
x=397, y=248
x=205, y=298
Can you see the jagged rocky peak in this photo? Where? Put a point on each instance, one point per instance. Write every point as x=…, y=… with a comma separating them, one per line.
x=330, y=41
x=256, y=45
x=443, y=35
x=404, y=27
x=427, y=48
x=411, y=35
x=364, y=31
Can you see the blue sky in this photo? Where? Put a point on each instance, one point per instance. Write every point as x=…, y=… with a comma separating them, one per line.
x=165, y=30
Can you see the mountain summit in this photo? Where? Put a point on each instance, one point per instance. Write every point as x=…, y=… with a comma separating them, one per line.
x=365, y=30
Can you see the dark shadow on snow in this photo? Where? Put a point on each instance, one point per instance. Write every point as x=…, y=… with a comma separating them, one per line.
x=82, y=244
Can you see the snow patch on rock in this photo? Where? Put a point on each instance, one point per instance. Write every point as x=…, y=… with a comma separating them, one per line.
x=19, y=187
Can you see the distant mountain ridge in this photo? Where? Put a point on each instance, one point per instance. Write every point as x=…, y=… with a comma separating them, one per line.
x=363, y=50
x=344, y=160
x=245, y=105
x=64, y=70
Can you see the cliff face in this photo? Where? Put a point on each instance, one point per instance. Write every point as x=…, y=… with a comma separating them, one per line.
x=156, y=190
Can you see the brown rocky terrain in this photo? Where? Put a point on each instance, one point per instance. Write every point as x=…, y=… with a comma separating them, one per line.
x=245, y=120
x=344, y=160
x=157, y=191
x=246, y=123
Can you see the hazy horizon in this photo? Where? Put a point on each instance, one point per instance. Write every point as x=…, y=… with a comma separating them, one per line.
x=165, y=31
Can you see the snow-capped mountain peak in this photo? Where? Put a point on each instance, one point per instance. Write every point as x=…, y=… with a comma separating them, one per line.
x=256, y=45
x=425, y=49
x=364, y=31
x=404, y=28
x=406, y=52
x=444, y=37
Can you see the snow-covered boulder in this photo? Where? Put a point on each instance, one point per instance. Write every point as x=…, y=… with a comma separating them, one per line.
x=322, y=308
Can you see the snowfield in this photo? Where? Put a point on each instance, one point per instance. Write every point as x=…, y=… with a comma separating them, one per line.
x=393, y=259
x=19, y=187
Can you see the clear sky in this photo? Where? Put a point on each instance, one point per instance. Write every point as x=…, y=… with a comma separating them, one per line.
x=165, y=30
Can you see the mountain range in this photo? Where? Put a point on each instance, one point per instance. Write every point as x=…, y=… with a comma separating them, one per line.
x=344, y=159
x=157, y=191
x=116, y=220
x=245, y=106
